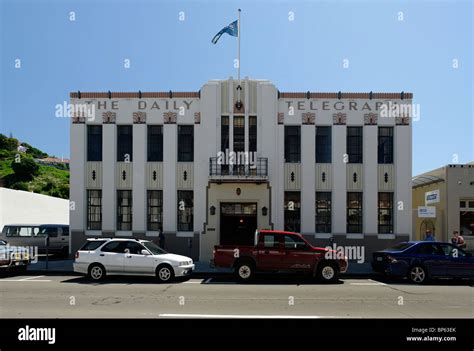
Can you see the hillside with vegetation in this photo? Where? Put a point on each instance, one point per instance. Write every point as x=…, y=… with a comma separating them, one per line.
x=20, y=169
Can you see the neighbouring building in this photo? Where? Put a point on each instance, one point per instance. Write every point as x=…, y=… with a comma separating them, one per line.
x=443, y=201
x=206, y=169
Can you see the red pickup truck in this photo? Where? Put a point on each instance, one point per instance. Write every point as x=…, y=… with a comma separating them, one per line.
x=279, y=251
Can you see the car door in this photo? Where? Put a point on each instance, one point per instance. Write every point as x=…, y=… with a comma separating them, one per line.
x=270, y=252
x=112, y=256
x=458, y=264
x=432, y=257
x=298, y=255
x=135, y=262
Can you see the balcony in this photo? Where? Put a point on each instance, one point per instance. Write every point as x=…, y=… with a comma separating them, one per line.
x=257, y=173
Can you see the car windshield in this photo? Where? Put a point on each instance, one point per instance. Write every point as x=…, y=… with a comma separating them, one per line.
x=399, y=247
x=153, y=248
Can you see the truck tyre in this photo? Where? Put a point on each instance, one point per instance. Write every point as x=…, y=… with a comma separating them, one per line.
x=327, y=272
x=244, y=271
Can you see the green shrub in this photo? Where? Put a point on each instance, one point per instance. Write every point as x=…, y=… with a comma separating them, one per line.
x=26, y=169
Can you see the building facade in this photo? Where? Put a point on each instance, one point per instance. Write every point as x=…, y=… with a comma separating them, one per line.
x=211, y=166
x=449, y=194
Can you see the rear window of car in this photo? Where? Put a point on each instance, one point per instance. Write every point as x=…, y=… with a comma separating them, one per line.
x=400, y=246
x=92, y=245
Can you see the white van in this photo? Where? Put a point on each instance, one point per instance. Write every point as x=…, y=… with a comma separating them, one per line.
x=34, y=236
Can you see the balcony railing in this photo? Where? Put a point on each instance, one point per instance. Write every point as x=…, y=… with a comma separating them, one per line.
x=249, y=172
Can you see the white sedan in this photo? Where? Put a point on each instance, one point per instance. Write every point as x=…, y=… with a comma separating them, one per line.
x=117, y=256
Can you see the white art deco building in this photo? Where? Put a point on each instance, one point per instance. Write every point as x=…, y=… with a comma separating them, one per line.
x=333, y=166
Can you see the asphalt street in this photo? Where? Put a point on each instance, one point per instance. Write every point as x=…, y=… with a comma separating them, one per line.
x=57, y=296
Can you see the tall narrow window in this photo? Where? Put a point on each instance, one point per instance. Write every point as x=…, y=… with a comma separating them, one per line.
x=323, y=144
x=155, y=143
x=323, y=212
x=185, y=210
x=124, y=143
x=224, y=133
x=124, y=210
x=292, y=144
x=185, y=143
x=155, y=210
x=94, y=209
x=385, y=145
x=292, y=211
x=354, y=144
x=385, y=215
x=94, y=143
x=354, y=212
x=239, y=133
x=252, y=133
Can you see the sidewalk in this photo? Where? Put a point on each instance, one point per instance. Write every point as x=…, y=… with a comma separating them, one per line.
x=202, y=268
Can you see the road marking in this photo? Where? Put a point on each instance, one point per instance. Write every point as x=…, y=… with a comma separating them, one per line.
x=238, y=316
x=29, y=278
x=24, y=281
x=197, y=281
x=370, y=283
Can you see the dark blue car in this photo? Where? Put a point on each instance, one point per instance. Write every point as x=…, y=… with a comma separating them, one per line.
x=423, y=260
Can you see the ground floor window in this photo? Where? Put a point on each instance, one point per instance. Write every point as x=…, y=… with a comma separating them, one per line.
x=94, y=209
x=124, y=210
x=323, y=212
x=154, y=210
x=466, y=217
x=385, y=213
x=354, y=212
x=292, y=211
x=185, y=210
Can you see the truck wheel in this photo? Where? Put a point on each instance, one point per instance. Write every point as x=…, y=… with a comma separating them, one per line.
x=244, y=271
x=327, y=272
x=96, y=272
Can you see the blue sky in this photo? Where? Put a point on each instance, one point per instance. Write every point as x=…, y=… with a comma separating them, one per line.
x=416, y=55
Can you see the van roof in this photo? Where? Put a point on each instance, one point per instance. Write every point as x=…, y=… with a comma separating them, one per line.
x=35, y=225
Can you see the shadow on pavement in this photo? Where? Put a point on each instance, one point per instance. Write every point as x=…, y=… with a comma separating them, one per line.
x=432, y=282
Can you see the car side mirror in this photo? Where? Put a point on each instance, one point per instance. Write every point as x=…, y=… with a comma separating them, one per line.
x=145, y=252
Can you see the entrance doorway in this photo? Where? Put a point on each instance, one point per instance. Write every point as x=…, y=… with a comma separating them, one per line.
x=238, y=222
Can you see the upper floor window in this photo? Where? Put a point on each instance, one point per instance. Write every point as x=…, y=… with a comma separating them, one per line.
x=224, y=133
x=124, y=143
x=292, y=144
x=94, y=143
x=323, y=144
x=185, y=143
x=239, y=133
x=252, y=133
x=385, y=145
x=354, y=144
x=354, y=212
x=155, y=143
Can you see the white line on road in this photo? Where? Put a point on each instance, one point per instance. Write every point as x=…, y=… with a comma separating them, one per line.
x=243, y=316
x=371, y=283
x=24, y=281
x=30, y=278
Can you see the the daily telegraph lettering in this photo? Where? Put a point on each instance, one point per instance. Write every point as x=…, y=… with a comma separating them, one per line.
x=145, y=105
x=296, y=105
x=328, y=105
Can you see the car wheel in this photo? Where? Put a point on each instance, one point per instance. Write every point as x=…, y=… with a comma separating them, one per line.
x=164, y=273
x=327, y=272
x=418, y=275
x=244, y=271
x=96, y=272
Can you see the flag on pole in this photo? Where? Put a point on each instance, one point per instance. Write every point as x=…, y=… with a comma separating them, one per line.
x=232, y=29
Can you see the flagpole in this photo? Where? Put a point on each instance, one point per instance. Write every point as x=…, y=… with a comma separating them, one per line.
x=238, y=45
x=238, y=58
